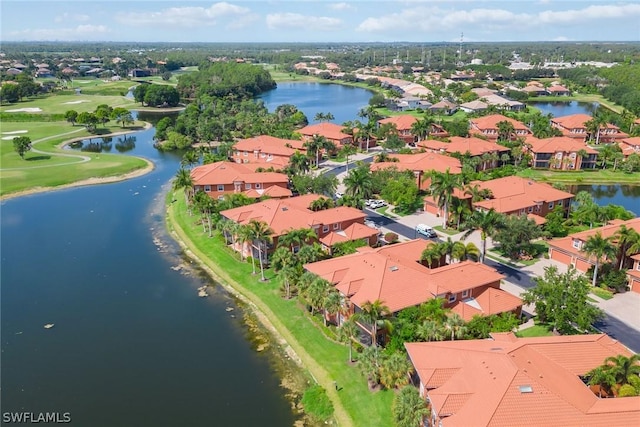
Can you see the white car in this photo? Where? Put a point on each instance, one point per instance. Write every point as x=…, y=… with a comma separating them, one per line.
x=425, y=230
x=339, y=194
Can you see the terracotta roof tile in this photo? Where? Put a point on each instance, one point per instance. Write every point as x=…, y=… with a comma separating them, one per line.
x=557, y=144
x=491, y=122
x=402, y=122
x=474, y=146
x=328, y=130
x=421, y=162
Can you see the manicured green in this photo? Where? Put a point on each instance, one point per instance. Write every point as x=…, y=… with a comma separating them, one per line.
x=448, y=231
x=597, y=176
x=59, y=103
x=326, y=360
x=539, y=330
x=602, y=293
x=56, y=167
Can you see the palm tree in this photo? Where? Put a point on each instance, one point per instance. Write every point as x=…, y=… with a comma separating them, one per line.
x=505, y=130
x=262, y=233
x=314, y=145
x=625, y=238
x=243, y=236
x=409, y=409
x=184, y=181
x=488, y=222
x=321, y=204
x=346, y=333
x=296, y=237
x=459, y=209
x=289, y=273
x=594, y=126
x=603, y=378
x=370, y=361
x=332, y=303
x=462, y=252
x=206, y=205
x=622, y=368
x=422, y=127
x=373, y=313
x=348, y=150
x=190, y=158
x=315, y=293
x=395, y=370
x=446, y=249
x=477, y=193
x=359, y=182
x=431, y=253
x=298, y=163
x=430, y=330
x=598, y=247
x=443, y=185
x=365, y=131
x=456, y=325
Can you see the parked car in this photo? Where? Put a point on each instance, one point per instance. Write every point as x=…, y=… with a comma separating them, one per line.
x=375, y=204
x=339, y=194
x=425, y=230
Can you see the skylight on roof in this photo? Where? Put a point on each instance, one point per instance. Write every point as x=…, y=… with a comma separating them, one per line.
x=393, y=268
x=526, y=389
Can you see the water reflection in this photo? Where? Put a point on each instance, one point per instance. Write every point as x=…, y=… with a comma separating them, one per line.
x=125, y=143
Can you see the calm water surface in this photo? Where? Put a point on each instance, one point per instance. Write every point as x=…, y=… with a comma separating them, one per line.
x=623, y=195
x=343, y=102
x=559, y=109
x=132, y=344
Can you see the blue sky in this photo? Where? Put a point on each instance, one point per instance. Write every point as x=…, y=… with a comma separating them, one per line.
x=319, y=21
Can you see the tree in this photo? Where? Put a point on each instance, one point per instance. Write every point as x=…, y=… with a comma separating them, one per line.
x=561, y=300
x=364, y=132
x=10, y=93
x=432, y=253
x=89, y=120
x=615, y=373
x=409, y=409
x=463, y=252
x=262, y=233
x=103, y=113
x=122, y=115
x=359, y=183
x=443, y=184
x=395, y=370
x=315, y=144
x=422, y=127
x=332, y=303
x=296, y=238
x=373, y=313
x=515, y=236
x=206, y=206
x=71, y=116
x=323, y=117
x=348, y=150
x=599, y=248
x=506, y=130
x=625, y=238
x=21, y=144
x=488, y=222
x=184, y=181
x=393, y=142
x=346, y=333
x=298, y=164
x=321, y=204
x=370, y=360
x=594, y=127
x=456, y=325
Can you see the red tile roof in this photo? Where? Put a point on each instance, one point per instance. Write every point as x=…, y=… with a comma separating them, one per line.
x=355, y=231
x=558, y=144
x=491, y=122
x=270, y=145
x=328, y=130
x=393, y=275
x=489, y=301
x=421, y=162
x=513, y=193
x=230, y=172
x=402, y=122
x=474, y=146
x=630, y=145
x=509, y=381
x=293, y=213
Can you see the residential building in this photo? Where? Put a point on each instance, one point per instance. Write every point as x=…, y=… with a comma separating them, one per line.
x=330, y=225
x=444, y=107
x=330, y=131
x=630, y=146
x=487, y=126
x=221, y=178
x=472, y=146
x=421, y=163
x=403, y=124
x=558, y=90
x=476, y=106
x=513, y=195
x=561, y=153
x=574, y=126
x=395, y=276
x=267, y=151
x=568, y=250
x=510, y=381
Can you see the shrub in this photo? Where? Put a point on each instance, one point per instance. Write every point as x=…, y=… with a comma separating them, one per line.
x=316, y=403
x=391, y=237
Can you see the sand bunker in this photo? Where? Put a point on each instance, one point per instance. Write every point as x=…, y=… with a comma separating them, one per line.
x=14, y=132
x=6, y=138
x=75, y=102
x=25, y=110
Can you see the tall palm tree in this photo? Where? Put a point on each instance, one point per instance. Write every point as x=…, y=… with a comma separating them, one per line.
x=409, y=409
x=430, y=330
x=462, y=252
x=431, y=253
x=296, y=237
x=505, y=130
x=488, y=222
x=623, y=367
x=422, y=127
x=443, y=185
x=359, y=182
x=243, y=236
x=262, y=234
x=598, y=247
x=364, y=132
x=477, y=193
x=348, y=150
x=298, y=163
x=459, y=209
x=190, y=158
x=315, y=145
x=456, y=325
x=594, y=126
x=446, y=249
x=346, y=333
x=374, y=313
x=206, y=205
x=625, y=238
x=183, y=181
x=332, y=303
x=395, y=370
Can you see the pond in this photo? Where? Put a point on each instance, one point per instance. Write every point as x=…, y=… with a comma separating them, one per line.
x=627, y=196
x=559, y=108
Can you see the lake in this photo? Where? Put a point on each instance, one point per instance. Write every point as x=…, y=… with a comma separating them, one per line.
x=343, y=102
x=132, y=344
x=559, y=109
x=623, y=195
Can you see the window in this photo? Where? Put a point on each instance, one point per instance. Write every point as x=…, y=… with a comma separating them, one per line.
x=452, y=298
x=638, y=266
x=270, y=157
x=465, y=294
x=530, y=209
x=559, y=203
x=258, y=185
x=207, y=188
x=247, y=186
x=262, y=155
x=245, y=153
x=550, y=205
x=576, y=243
x=220, y=187
x=336, y=226
x=325, y=229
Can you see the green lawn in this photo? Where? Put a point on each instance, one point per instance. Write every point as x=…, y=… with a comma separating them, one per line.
x=535, y=331
x=602, y=293
x=57, y=167
x=59, y=103
x=326, y=360
x=597, y=176
x=448, y=231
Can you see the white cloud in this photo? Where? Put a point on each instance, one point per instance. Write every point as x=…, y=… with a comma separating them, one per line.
x=66, y=17
x=561, y=39
x=184, y=16
x=278, y=21
x=342, y=6
x=436, y=19
x=79, y=33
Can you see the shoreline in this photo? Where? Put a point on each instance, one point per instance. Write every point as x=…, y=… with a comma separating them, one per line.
x=150, y=166
x=263, y=313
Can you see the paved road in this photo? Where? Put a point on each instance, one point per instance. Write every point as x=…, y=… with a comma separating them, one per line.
x=609, y=325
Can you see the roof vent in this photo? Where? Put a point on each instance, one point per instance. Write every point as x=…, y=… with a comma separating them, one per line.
x=393, y=268
x=526, y=389
x=496, y=348
x=284, y=208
